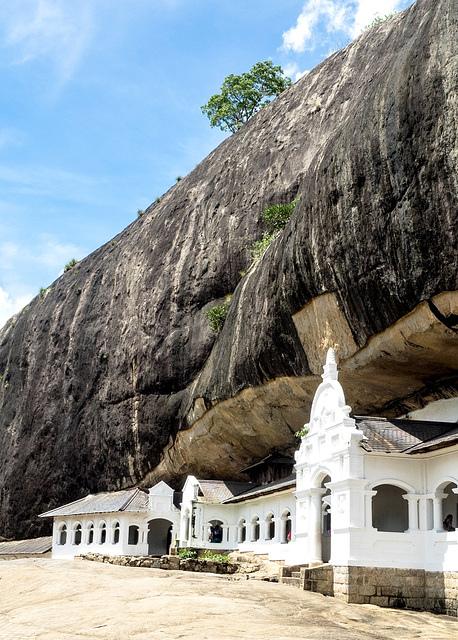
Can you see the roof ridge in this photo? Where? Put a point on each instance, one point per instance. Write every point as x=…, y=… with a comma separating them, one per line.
x=130, y=499
x=68, y=504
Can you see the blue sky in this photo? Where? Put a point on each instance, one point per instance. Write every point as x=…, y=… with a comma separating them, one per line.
x=100, y=108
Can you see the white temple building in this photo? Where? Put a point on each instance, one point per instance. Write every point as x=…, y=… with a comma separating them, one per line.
x=362, y=493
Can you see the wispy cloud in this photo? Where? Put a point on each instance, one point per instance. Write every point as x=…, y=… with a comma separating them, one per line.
x=47, y=251
x=48, y=255
x=54, y=29
x=11, y=137
x=9, y=305
x=334, y=16
x=293, y=71
x=46, y=181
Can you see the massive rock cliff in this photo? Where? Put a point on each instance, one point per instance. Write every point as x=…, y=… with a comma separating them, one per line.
x=113, y=377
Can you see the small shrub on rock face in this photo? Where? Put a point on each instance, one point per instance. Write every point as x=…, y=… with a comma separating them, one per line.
x=259, y=247
x=217, y=315
x=70, y=264
x=278, y=215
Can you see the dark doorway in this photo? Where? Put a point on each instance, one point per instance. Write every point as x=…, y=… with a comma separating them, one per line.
x=159, y=537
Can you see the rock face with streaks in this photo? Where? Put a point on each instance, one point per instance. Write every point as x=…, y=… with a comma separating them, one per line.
x=112, y=377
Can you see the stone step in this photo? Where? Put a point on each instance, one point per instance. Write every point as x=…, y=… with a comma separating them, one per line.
x=293, y=582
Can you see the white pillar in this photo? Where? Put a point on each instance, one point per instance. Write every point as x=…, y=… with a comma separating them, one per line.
x=315, y=525
x=240, y=528
x=412, y=501
x=368, y=495
x=253, y=531
x=437, y=510
x=283, y=521
x=423, y=513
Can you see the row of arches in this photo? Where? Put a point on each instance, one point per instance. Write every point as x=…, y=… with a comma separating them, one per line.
x=268, y=528
x=155, y=536
x=93, y=535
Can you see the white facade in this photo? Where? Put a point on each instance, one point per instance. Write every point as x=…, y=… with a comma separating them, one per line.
x=150, y=529
x=350, y=506
x=385, y=509
x=353, y=502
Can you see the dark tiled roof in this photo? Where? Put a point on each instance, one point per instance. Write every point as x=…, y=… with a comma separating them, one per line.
x=446, y=440
x=219, y=490
x=36, y=546
x=272, y=458
x=399, y=435
x=127, y=500
x=261, y=490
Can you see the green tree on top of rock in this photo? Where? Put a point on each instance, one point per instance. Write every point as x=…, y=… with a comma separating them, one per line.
x=243, y=95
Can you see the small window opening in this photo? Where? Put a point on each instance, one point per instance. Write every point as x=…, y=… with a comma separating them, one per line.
x=103, y=534
x=116, y=533
x=133, y=534
x=78, y=534
x=63, y=534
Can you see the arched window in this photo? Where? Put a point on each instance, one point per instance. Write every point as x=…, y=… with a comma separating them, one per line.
x=103, y=533
x=116, y=530
x=78, y=534
x=270, y=527
x=215, y=531
x=389, y=509
x=241, y=531
x=255, y=529
x=286, y=526
x=63, y=534
x=133, y=534
x=450, y=507
x=90, y=538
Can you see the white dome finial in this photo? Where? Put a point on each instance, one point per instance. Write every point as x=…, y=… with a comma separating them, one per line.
x=330, y=368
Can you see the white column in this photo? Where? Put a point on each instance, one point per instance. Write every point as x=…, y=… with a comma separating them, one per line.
x=423, y=513
x=283, y=521
x=437, y=510
x=412, y=501
x=368, y=495
x=315, y=525
x=240, y=528
x=253, y=531
x=143, y=534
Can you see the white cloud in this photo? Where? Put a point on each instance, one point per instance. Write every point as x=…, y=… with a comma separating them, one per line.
x=10, y=305
x=55, y=29
x=346, y=16
x=292, y=71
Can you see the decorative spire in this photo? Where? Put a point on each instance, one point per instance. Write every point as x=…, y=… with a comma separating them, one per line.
x=330, y=368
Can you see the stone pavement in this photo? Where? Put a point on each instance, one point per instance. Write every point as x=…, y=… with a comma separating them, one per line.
x=43, y=599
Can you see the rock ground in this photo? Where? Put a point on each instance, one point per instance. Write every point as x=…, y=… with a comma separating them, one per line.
x=42, y=599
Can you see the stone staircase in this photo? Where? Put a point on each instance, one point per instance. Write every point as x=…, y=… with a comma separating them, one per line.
x=293, y=575
x=318, y=578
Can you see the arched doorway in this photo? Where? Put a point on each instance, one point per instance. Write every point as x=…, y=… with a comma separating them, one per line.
x=389, y=509
x=326, y=521
x=450, y=504
x=159, y=536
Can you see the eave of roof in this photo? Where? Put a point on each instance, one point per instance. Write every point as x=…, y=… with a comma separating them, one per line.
x=35, y=546
x=108, y=502
x=214, y=491
x=403, y=436
x=272, y=487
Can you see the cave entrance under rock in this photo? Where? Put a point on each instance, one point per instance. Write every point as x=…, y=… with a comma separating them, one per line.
x=159, y=536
